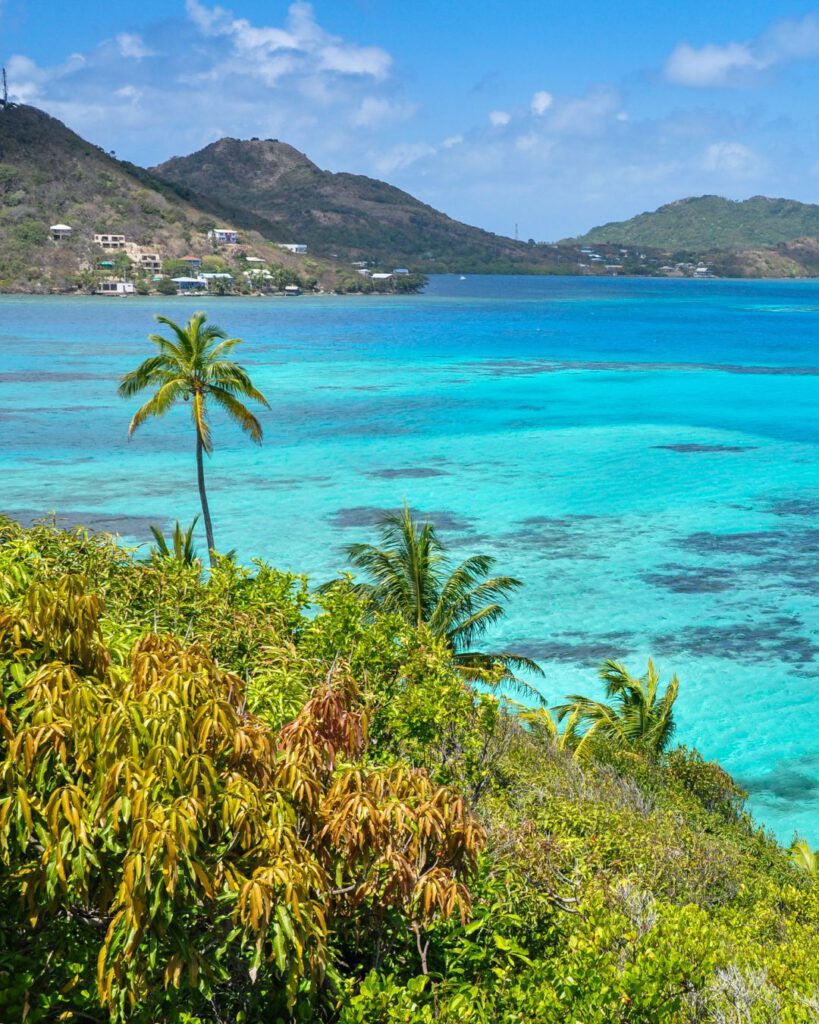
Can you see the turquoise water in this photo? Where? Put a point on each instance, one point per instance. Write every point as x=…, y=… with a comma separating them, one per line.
x=642, y=453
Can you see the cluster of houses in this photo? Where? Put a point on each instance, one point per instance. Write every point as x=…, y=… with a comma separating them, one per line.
x=151, y=262
x=362, y=267
x=611, y=261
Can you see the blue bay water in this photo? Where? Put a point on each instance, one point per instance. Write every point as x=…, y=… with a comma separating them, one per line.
x=643, y=454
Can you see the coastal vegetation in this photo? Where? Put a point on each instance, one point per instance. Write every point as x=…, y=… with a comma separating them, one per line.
x=194, y=367
x=409, y=574
x=226, y=798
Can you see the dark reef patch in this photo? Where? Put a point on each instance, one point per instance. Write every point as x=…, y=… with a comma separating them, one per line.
x=787, y=782
x=796, y=507
x=558, y=536
x=690, y=579
x=757, y=544
x=578, y=648
x=776, y=638
x=54, y=376
x=692, y=448
x=368, y=515
x=530, y=367
x=407, y=473
x=787, y=557
x=132, y=526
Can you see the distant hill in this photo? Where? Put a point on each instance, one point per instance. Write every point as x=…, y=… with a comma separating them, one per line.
x=49, y=174
x=707, y=223
x=347, y=215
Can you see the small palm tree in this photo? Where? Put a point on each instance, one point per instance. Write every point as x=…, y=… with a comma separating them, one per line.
x=638, y=719
x=410, y=574
x=181, y=548
x=544, y=724
x=193, y=367
x=805, y=858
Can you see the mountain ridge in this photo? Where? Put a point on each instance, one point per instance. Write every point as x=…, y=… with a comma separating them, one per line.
x=339, y=213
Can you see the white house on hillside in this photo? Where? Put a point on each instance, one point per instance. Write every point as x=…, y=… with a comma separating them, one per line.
x=60, y=231
x=293, y=247
x=223, y=236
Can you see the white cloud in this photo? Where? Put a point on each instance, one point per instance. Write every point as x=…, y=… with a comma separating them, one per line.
x=585, y=115
x=129, y=92
x=732, y=159
x=526, y=142
x=541, y=101
x=375, y=111
x=290, y=78
x=131, y=45
x=28, y=82
x=731, y=64
x=403, y=155
x=452, y=140
x=709, y=65
x=498, y=118
x=300, y=42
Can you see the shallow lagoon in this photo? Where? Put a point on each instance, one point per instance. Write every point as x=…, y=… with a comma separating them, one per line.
x=644, y=454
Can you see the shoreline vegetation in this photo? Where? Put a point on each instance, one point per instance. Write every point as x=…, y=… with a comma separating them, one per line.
x=229, y=796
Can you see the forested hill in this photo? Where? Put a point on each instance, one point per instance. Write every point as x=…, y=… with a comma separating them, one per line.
x=707, y=223
x=348, y=215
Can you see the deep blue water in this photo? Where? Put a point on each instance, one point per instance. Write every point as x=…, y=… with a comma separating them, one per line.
x=643, y=454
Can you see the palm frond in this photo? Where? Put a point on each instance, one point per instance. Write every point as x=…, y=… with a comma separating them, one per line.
x=199, y=415
x=145, y=375
x=238, y=412
x=158, y=405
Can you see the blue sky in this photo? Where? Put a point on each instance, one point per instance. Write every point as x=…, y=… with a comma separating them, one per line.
x=553, y=116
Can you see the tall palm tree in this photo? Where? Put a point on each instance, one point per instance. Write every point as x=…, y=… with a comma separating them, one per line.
x=410, y=573
x=638, y=719
x=193, y=367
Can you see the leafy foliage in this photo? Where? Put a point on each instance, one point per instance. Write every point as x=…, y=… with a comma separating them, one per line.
x=222, y=799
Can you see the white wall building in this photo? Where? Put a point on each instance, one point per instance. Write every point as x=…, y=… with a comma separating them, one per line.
x=223, y=236
x=60, y=231
x=293, y=247
x=110, y=241
x=115, y=288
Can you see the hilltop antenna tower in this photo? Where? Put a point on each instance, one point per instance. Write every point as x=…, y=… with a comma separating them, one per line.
x=5, y=100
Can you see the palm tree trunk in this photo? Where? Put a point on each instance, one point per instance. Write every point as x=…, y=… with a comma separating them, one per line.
x=200, y=472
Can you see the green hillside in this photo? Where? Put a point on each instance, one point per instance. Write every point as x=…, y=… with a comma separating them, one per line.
x=706, y=223
x=347, y=215
x=49, y=175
